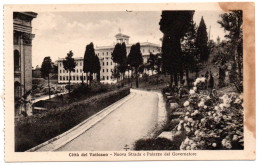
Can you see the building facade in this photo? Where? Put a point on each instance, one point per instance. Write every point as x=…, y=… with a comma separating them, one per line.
x=104, y=54
x=22, y=45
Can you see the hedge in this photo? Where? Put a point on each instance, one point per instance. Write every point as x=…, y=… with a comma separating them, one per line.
x=34, y=130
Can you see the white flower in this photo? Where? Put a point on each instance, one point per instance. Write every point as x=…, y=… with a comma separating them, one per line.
x=187, y=113
x=237, y=101
x=188, y=148
x=196, y=112
x=179, y=127
x=205, y=107
x=203, y=120
x=208, y=97
x=196, y=132
x=186, y=103
x=235, y=138
x=209, y=113
x=187, y=141
x=216, y=108
x=203, y=79
x=214, y=145
x=193, y=146
x=186, y=118
x=187, y=129
x=195, y=89
x=228, y=145
x=192, y=92
x=222, y=106
x=201, y=104
x=190, y=120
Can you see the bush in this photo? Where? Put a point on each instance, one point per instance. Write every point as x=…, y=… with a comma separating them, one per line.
x=33, y=130
x=155, y=144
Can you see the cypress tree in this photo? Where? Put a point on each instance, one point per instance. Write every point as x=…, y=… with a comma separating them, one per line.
x=202, y=41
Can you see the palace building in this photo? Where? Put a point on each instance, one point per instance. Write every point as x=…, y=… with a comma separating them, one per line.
x=105, y=56
x=22, y=45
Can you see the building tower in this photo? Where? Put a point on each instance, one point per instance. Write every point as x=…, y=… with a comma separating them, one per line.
x=22, y=41
x=120, y=38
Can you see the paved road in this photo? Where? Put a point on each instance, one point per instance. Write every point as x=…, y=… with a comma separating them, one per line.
x=131, y=121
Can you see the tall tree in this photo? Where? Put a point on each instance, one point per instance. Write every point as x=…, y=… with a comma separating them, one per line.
x=173, y=24
x=69, y=65
x=232, y=23
x=97, y=67
x=46, y=69
x=189, y=51
x=202, y=41
x=151, y=62
x=122, y=61
x=119, y=57
x=135, y=59
x=89, y=62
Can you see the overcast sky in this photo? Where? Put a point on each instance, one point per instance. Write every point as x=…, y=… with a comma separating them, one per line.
x=56, y=33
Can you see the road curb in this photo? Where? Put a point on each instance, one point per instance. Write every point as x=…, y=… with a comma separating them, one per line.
x=93, y=121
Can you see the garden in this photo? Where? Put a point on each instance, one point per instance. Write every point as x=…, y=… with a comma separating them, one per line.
x=200, y=120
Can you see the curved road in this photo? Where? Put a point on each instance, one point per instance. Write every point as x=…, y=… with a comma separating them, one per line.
x=131, y=121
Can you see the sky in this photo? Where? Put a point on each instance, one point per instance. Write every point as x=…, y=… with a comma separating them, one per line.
x=56, y=33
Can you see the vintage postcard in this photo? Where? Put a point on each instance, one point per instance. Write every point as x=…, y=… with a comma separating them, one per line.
x=124, y=82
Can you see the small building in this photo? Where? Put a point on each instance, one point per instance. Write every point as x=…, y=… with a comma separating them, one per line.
x=104, y=54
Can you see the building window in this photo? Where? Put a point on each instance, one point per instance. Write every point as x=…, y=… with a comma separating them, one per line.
x=103, y=70
x=16, y=60
x=107, y=78
x=60, y=78
x=77, y=70
x=111, y=77
x=103, y=63
x=107, y=53
x=103, y=77
x=107, y=63
x=63, y=78
x=63, y=71
x=111, y=63
x=153, y=50
x=107, y=70
x=67, y=77
x=111, y=70
x=103, y=53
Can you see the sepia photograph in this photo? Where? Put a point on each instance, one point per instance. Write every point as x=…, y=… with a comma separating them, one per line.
x=133, y=82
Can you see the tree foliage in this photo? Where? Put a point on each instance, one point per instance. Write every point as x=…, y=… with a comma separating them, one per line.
x=91, y=62
x=69, y=64
x=135, y=59
x=202, y=41
x=174, y=24
x=189, y=51
x=46, y=69
x=119, y=57
x=232, y=23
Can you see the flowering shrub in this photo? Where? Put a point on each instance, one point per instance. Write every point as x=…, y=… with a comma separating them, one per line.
x=211, y=122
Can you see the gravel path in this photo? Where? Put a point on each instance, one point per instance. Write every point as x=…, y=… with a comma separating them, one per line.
x=131, y=121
